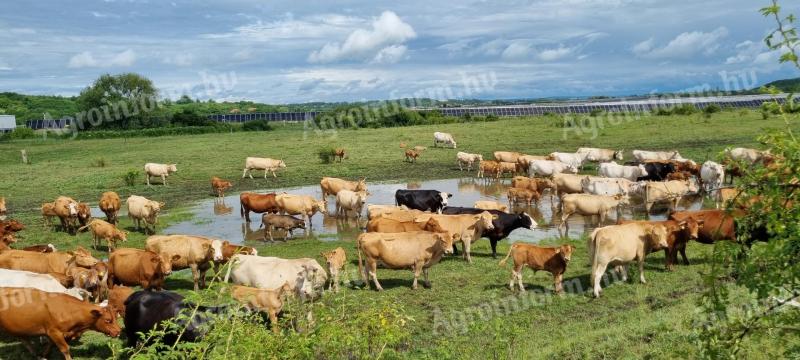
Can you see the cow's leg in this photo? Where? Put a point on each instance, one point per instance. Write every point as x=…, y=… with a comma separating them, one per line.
x=494, y=247
x=203, y=276
x=244, y=173
x=668, y=258
x=28, y=346
x=624, y=270
x=273, y=173
x=372, y=265
x=641, y=270
x=557, y=279
x=467, y=244
x=58, y=339
x=269, y=231
x=266, y=171
x=148, y=179
x=598, y=269
x=513, y=279
x=164, y=180
x=273, y=321
x=455, y=249
x=682, y=249
x=417, y=270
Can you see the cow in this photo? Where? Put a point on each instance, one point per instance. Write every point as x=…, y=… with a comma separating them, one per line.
x=332, y=186
x=352, y=201
x=463, y=158
x=656, y=171
x=601, y=155
x=573, y=159
x=620, y=244
x=527, y=196
x=524, y=162
x=49, y=248
x=490, y=168
x=303, y=205
x=49, y=211
x=135, y=267
x=229, y=251
x=466, y=228
x=614, y=170
x=117, y=297
x=642, y=155
x=746, y=155
x=46, y=263
x=257, y=203
x=3, y=209
x=503, y=224
x=60, y=317
x=266, y=164
x=141, y=209
x=159, y=170
x=305, y=276
x=551, y=259
x=106, y=231
x=110, y=204
x=717, y=224
x=42, y=282
x=423, y=200
x=490, y=205
x=87, y=279
x=506, y=156
x=9, y=229
x=671, y=191
x=194, y=252
x=335, y=260
x=280, y=222
x=610, y=186
x=712, y=175
x=535, y=184
x=678, y=235
x=444, y=138
x=269, y=301
x=724, y=196
x=146, y=311
x=374, y=211
x=417, y=250
x=550, y=167
x=411, y=155
x=679, y=175
x=84, y=213
x=567, y=184
x=66, y=209
x=508, y=167
x=218, y=186
x=340, y=154
x=585, y=204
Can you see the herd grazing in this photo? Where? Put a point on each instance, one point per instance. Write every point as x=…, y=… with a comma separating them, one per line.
x=416, y=232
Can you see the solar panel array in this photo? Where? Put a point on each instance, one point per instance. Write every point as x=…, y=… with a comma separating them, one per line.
x=283, y=116
x=48, y=124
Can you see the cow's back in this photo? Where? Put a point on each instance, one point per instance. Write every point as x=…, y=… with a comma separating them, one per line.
x=189, y=248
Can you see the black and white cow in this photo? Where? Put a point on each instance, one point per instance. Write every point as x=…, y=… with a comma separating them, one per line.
x=423, y=200
x=504, y=223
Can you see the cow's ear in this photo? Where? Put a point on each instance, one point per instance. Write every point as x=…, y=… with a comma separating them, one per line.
x=682, y=224
x=96, y=313
x=558, y=250
x=495, y=217
x=176, y=257
x=226, y=243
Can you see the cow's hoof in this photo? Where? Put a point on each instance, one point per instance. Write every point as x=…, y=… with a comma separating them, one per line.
x=427, y=284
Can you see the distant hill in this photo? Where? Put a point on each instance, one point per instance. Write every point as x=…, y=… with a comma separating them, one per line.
x=786, y=85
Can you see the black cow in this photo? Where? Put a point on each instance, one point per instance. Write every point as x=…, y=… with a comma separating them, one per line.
x=504, y=224
x=145, y=310
x=424, y=200
x=657, y=171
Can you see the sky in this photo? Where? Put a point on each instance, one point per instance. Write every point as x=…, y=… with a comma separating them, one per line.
x=305, y=51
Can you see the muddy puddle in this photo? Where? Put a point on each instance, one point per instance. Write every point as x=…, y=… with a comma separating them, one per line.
x=221, y=219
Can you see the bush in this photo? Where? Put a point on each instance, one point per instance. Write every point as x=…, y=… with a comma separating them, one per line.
x=326, y=154
x=155, y=132
x=685, y=109
x=189, y=117
x=663, y=112
x=257, y=125
x=21, y=133
x=711, y=109
x=129, y=178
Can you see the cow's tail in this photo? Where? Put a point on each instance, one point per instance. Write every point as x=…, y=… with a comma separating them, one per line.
x=503, y=262
x=241, y=209
x=83, y=228
x=361, y=263
x=592, y=246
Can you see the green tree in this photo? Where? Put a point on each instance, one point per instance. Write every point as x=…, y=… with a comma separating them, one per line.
x=124, y=101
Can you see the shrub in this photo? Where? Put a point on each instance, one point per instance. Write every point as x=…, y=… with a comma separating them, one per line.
x=257, y=125
x=596, y=112
x=711, y=109
x=685, y=109
x=189, y=117
x=663, y=112
x=326, y=154
x=129, y=178
x=21, y=133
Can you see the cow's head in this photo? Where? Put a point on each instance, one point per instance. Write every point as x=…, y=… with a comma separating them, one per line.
x=83, y=257
x=623, y=199
x=102, y=271
x=572, y=168
x=72, y=207
x=442, y=198
x=642, y=170
x=12, y=226
x=105, y=321
x=619, y=154
x=361, y=185
x=565, y=251
x=215, y=250
x=545, y=183
x=122, y=235
x=485, y=220
x=281, y=163
x=164, y=263
x=319, y=205
x=446, y=240
x=691, y=226
x=84, y=212
x=172, y=168
x=657, y=237
x=527, y=221
x=693, y=186
x=479, y=157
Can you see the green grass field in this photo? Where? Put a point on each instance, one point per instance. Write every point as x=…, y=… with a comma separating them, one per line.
x=630, y=320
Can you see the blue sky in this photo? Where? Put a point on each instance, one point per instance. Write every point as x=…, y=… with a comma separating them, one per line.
x=299, y=51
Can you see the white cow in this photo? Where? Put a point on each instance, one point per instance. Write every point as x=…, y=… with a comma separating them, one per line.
x=142, y=209
x=745, y=154
x=350, y=200
x=467, y=159
x=712, y=175
x=574, y=159
x=306, y=277
x=550, y=167
x=42, y=282
x=444, y=138
x=266, y=164
x=642, y=155
x=610, y=186
x=601, y=155
x=159, y=170
x=614, y=170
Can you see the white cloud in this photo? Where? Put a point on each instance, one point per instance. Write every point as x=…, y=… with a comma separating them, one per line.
x=388, y=29
x=22, y=31
x=517, y=50
x=556, y=54
x=683, y=46
x=313, y=27
x=101, y=15
x=87, y=59
x=182, y=59
x=390, y=54
x=4, y=66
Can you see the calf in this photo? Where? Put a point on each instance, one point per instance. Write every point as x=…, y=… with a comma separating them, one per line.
x=424, y=200
x=86, y=279
x=340, y=154
x=60, y=317
x=48, y=212
x=411, y=155
x=105, y=231
x=280, y=222
x=110, y=204
x=463, y=158
x=522, y=195
x=336, y=260
x=551, y=259
x=218, y=186
x=416, y=250
x=159, y=170
x=257, y=203
x=508, y=167
x=489, y=169
x=265, y=300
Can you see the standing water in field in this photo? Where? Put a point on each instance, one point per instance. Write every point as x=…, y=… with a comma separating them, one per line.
x=221, y=219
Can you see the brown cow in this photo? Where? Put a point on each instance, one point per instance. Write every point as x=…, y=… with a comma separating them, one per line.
x=218, y=186
x=411, y=155
x=117, y=297
x=87, y=279
x=105, y=231
x=41, y=248
x=522, y=195
x=60, y=317
x=280, y=222
x=416, y=250
x=134, y=267
x=340, y=154
x=9, y=229
x=3, y=210
x=229, y=250
x=67, y=211
x=678, y=235
x=551, y=259
x=257, y=203
x=45, y=263
x=336, y=260
x=332, y=185
x=488, y=169
x=84, y=213
x=265, y=300
x=508, y=167
x=193, y=252
x=49, y=212
x=717, y=224
x=110, y=205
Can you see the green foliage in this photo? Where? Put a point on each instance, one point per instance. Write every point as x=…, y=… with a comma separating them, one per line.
x=33, y=107
x=326, y=154
x=20, y=133
x=257, y=125
x=156, y=132
x=99, y=162
x=129, y=178
x=124, y=101
x=684, y=109
x=189, y=117
x=711, y=109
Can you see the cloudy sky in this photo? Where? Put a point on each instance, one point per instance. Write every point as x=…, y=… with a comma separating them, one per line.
x=299, y=51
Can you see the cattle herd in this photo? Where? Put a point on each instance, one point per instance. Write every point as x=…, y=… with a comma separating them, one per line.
x=61, y=294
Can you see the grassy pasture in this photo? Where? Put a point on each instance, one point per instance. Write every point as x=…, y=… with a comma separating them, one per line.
x=630, y=320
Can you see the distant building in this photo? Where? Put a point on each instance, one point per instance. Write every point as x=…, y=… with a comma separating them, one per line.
x=7, y=123
x=48, y=124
